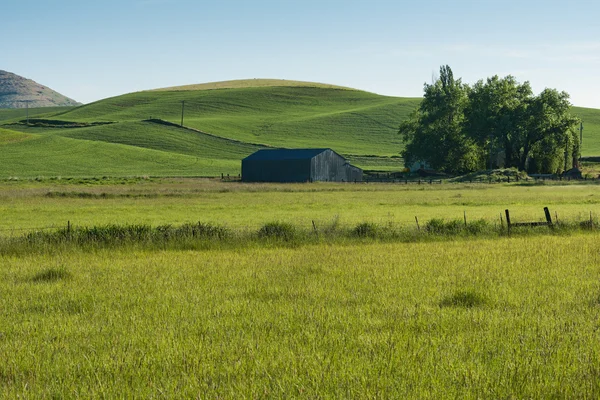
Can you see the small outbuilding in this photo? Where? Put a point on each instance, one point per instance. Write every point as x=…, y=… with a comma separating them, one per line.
x=298, y=165
x=573, y=173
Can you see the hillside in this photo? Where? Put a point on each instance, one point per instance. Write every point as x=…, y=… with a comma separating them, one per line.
x=246, y=83
x=353, y=122
x=223, y=123
x=16, y=92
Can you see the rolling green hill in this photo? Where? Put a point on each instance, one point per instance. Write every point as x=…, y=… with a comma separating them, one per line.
x=224, y=122
x=351, y=122
x=16, y=114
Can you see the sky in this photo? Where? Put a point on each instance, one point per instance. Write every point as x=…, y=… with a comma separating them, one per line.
x=90, y=50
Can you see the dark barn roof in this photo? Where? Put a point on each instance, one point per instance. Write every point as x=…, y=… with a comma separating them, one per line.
x=285, y=154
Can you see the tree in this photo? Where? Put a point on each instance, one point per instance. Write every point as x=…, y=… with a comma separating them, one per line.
x=458, y=128
x=435, y=133
x=495, y=116
x=548, y=132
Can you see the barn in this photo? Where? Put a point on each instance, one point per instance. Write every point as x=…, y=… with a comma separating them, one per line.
x=298, y=165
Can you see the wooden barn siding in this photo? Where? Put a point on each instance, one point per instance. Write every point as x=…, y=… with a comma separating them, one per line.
x=331, y=167
x=354, y=174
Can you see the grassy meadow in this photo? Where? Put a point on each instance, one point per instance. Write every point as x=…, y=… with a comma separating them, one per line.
x=509, y=318
x=87, y=202
x=353, y=317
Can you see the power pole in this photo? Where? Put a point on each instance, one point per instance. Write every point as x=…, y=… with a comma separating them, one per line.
x=26, y=108
x=491, y=151
x=566, y=154
x=182, y=108
x=580, y=142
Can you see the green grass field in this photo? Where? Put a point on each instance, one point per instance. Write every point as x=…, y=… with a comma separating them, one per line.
x=465, y=317
x=47, y=203
x=12, y=114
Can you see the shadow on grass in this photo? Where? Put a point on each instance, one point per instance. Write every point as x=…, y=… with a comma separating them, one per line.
x=52, y=275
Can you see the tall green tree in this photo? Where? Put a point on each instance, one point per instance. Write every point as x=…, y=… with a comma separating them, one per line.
x=548, y=132
x=458, y=128
x=435, y=134
x=496, y=115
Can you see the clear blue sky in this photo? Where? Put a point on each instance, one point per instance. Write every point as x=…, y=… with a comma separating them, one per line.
x=89, y=50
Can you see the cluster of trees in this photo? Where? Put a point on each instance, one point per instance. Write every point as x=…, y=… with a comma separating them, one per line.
x=460, y=128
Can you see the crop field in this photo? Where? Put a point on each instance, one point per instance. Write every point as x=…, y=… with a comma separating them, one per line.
x=475, y=316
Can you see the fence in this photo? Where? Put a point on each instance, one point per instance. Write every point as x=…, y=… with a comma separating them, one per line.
x=334, y=225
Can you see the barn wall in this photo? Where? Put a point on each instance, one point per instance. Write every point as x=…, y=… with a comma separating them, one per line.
x=328, y=167
x=276, y=170
x=354, y=174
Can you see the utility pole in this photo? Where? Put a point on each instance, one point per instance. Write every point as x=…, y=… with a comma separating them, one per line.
x=26, y=108
x=580, y=140
x=182, y=108
x=566, y=154
x=491, y=151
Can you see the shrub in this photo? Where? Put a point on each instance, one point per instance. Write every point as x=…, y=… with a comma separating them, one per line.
x=440, y=227
x=366, y=229
x=477, y=227
x=202, y=229
x=278, y=230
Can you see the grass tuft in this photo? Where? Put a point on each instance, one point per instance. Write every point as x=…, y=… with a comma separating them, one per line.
x=277, y=230
x=52, y=275
x=463, y=298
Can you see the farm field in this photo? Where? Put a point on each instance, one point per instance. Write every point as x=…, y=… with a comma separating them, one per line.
x=227, y=121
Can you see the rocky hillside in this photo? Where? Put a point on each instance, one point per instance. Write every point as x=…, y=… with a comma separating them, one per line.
x=16, y=91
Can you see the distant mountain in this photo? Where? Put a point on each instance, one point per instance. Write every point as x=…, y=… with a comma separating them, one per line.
x=16, y=91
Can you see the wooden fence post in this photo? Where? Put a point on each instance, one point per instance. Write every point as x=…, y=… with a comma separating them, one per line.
x=418, y=227
x=548, y=217
x=507, y=221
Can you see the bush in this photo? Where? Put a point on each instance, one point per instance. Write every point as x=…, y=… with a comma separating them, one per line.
x=277, y=230
x=201, y=229
x=366, y=229
x=440, y=227
x=477, y=227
